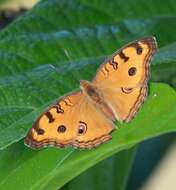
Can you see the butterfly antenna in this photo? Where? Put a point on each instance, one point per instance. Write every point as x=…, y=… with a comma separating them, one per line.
x=54, y=68
x=70, y=60
x=68, y=56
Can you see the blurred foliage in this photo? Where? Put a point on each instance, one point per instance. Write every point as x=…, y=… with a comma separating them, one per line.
x=15, y=5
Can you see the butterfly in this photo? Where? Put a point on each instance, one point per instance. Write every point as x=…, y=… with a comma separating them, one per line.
x=85, y=119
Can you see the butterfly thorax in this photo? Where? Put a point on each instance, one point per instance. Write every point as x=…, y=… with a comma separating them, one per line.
x=91, y=91
x=94, y=95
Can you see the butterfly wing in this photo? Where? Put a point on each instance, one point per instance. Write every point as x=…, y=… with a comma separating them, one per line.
x=74, y=121
x=123, y=78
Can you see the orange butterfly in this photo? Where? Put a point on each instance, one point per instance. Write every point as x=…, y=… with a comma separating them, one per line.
x=84, y=119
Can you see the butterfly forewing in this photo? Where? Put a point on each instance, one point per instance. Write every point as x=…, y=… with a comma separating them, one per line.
x=128, y=67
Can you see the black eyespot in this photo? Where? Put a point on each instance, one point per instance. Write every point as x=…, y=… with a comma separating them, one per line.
x=132, y=71
x=61, y=129
x=139, y=50
x=40, y=131
x=82, y=128
x=127, y=90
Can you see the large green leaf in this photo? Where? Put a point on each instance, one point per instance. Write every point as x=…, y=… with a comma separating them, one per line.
x=110, y=174
x=51, y=168
x=74, y=36
x=76, y=43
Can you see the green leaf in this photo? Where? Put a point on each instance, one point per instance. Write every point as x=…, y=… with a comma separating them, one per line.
x=51, y=168
x=76, y=44
x=111, y=173
x=165, y=72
